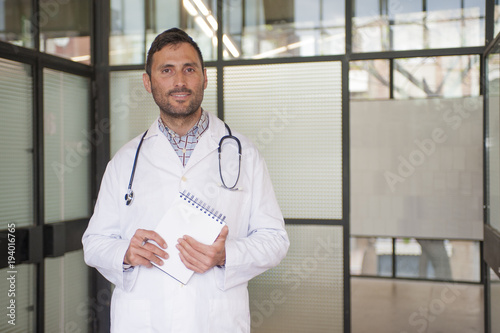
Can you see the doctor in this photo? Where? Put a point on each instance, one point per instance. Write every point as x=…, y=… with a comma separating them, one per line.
x=180, y=152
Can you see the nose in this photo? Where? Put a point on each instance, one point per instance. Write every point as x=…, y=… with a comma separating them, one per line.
x=180, y=80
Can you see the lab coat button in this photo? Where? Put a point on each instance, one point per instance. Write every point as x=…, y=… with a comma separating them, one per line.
x=183, y=178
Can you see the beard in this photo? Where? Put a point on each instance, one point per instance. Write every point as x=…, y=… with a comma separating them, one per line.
x=182, y=110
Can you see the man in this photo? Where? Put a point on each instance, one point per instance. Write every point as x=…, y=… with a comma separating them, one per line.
x=180, y=152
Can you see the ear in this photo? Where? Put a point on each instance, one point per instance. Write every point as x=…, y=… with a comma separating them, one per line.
x=205, y=84
x=147, y=82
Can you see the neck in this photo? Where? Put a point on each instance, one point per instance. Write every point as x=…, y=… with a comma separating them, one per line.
x=180, y=125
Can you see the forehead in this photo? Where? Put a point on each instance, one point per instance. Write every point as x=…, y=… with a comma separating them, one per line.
x=176, y=54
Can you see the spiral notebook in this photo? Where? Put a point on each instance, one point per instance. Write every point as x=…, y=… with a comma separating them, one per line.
x=187, y=216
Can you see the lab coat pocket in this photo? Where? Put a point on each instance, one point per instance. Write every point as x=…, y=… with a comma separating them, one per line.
x=131, y=315
x=235, y=206
x=229, y=315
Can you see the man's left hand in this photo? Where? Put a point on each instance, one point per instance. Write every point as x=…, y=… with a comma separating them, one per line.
x=200, y=257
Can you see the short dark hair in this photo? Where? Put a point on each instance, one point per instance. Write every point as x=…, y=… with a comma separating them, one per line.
x=173, y=36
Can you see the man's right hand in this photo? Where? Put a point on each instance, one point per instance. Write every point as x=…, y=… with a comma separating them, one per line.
x=142, y=252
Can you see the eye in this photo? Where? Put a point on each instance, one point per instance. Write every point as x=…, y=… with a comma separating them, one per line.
x=190, y=70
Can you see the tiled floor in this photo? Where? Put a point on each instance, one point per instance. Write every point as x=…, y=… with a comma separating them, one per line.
x=402, y=306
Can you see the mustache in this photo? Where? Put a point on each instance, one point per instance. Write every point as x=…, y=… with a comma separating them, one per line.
x=180, y=90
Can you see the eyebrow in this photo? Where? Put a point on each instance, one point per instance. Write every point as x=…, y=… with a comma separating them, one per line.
x=187, y=64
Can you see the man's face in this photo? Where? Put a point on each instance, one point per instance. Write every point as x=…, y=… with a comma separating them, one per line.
x=177, y=80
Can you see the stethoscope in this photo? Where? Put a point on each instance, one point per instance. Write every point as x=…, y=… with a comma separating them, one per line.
x=129, y=196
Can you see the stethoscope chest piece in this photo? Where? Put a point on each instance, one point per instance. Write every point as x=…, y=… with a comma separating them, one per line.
x=129, y=197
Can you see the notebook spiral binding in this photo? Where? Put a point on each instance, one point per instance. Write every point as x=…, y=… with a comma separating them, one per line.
x=202, y=206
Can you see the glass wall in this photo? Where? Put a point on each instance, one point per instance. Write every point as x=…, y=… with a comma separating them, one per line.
x=453, y=76
x=68, y=142
x=284, y=28
x=21, y=292
x=371, y=256
x=497, y=18
x=369, y=79
x=305, y=292
x=436, y=259
x=393, y=25
x=416, y=170
x=135, y=24
x=16, y=130
x=67, y=304
x=15, y=24
x=286, y=118
x=492, y=149
x=271, y=104
x=493, y=138
x=63, y=26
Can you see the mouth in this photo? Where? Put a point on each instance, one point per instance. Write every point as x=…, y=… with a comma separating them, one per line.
x=180, y=94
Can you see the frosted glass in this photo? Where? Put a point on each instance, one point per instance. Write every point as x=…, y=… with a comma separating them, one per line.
x=493, y=139
x=16, y=134
x=68, y=143
x=24, y=299
x=133, y=109
x=67, y=302
x=293, y=113
x=305, y=293
x=417, y=168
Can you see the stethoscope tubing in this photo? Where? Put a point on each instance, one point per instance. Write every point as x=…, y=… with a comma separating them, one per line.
x=129, y=196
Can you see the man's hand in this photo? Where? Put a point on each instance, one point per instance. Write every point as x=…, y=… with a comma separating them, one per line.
x=141, y=252
x=200, y=257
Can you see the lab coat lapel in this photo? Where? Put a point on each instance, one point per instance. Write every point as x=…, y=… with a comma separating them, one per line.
x=162, y=147
x=208, y=142
x=204, y=147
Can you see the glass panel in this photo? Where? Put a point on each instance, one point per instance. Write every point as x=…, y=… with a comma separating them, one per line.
x=16, y=133
x=455, y=76
x=284, y=28
x=497, y=17
x=135, y=24
x=133, y=110
x=67, y=146
x=403, y=306
x=416, y=168
x=494, y=302
x=17, y=287
x=439, y=259
x=370, y=32
x=371, y=256
x=65, y=29
x=66, y=294
x=293, y=113
x=305, y=293
x=390, y=25
x=493, y=138
x=369, y=79
x=15, y=24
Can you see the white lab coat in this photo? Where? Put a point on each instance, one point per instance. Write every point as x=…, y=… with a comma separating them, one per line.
x=146, y=299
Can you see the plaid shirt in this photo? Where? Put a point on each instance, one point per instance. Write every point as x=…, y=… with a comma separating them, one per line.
x=184, y=145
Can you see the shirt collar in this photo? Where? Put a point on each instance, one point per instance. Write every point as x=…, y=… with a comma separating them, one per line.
x=197, y=130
